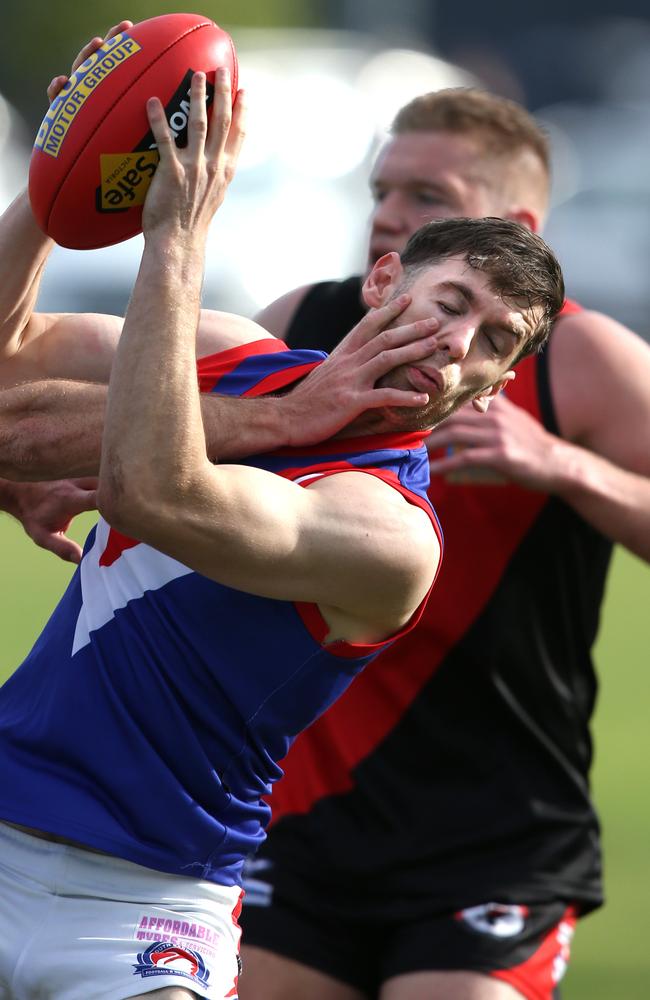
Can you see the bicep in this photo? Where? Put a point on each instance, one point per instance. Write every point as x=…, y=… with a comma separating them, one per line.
x=349, y=541
x=75, y=346
x=600, y=373
x=81, y=346
x=220, y=331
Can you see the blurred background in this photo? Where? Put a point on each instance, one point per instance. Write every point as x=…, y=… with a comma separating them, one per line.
x=324, y=80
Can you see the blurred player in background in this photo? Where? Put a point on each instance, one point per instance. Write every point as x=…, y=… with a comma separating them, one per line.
x=433, y=837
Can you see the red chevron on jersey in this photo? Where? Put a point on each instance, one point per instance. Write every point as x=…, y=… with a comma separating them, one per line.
x=116, y=544
x=108, y=586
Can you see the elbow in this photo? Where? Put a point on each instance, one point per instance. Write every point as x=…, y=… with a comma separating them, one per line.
x=120, y=501
x=114, y=509
x=131, y=502
x=126, y=513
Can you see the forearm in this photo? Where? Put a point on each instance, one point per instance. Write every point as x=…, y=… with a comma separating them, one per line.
x=154, y=435
x=612, y=500
x=51, y=430
x=23, y=252
x=237, y=428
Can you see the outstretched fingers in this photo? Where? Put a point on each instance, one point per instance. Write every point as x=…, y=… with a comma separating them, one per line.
x=221, y=115
x=399, y=346
x=160, y=128
x=227, y=124
x=373, y=323
x=59, y=82
x=377, y=399
x=237, y=132
x=198, y=117
x=55, y=87
x=96, y=43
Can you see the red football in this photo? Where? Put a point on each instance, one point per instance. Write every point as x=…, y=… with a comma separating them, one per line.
x=94, y=154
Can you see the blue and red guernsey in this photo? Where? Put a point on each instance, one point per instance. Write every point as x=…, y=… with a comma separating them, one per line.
x=148, y=719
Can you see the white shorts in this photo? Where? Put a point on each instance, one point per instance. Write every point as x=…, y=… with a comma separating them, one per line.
x=76, y=925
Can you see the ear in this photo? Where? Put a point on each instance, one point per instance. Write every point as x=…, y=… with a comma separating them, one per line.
x=531, y=220
x=383, y=280
x=482, y=401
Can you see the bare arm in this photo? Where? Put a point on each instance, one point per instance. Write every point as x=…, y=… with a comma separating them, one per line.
x=600, y=373
x=335, y=544
x=24, y=250
x=52, y=428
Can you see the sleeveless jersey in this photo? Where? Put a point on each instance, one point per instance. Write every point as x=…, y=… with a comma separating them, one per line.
x=455, y=771
x=148, y=719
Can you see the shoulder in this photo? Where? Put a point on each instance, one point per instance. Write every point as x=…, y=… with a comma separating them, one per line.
x=316, y=316
x=276, y=318
x=387, y=549
x=588, y=347
x=599, y=375
x=401, y=533
x=588, y=325
x=220, y=331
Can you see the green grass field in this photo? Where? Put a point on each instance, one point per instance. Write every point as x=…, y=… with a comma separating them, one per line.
x=611, y=951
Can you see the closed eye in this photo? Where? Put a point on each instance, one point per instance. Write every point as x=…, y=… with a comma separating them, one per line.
x=428, y=198
x=494, y=346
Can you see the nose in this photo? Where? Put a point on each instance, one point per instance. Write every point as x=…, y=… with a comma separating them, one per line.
x=456, y=339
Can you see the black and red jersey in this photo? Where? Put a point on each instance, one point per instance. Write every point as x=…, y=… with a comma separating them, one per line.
x=455, y=769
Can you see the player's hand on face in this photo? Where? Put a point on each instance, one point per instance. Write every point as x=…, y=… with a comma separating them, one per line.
x=46, y=510
x=343, y=386
x=59, y=82
x=190, y=184
x=505, y=443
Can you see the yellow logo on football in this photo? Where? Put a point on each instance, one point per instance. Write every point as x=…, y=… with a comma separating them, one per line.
x=66, y=106
x=126, y=178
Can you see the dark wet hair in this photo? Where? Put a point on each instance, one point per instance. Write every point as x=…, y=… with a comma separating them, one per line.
x=518, y=263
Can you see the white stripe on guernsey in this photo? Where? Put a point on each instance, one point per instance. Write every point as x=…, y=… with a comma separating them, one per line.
x=105, y=589
x=313, y=475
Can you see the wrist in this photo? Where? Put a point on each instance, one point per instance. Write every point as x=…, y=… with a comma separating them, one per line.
x=289, y=419
x=270, y=425
x=171, y=262
x=567, y=469
x=9, y=497
x=172, y=242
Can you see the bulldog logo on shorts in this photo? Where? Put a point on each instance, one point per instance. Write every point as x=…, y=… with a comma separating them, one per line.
x=166, y=959
x=500, y=920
